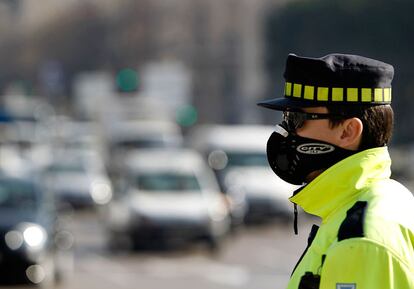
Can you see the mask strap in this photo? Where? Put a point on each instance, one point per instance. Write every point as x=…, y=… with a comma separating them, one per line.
x=295, y=212
x=281, y=129
x=295, y=220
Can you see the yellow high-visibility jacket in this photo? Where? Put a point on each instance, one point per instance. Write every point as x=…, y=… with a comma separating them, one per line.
x=366, y=238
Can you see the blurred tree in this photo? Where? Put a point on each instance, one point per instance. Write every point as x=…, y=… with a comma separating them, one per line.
x=378, y=29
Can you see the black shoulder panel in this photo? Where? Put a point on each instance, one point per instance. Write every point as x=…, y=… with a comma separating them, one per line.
x=353, y=225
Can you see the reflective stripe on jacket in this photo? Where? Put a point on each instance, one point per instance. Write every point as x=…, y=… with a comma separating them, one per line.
x=366, y=238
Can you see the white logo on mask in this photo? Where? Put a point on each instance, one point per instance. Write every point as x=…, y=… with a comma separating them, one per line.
x=315, y=148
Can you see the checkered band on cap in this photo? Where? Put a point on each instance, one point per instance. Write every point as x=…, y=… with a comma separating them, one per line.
x=333, y=79
x=338, y=78
x=324, y=95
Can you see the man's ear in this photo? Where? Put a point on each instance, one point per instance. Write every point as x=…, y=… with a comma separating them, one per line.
x=351, y=133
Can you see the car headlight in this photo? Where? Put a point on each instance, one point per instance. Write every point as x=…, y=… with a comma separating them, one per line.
x=101, y=193
x=34, y=236
x=14, y=239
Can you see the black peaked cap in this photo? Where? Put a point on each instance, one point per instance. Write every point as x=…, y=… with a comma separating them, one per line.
x=334, y=78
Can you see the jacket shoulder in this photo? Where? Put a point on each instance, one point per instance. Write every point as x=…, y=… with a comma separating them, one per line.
x=384, y=215
x=360, y=256
x=391, y=202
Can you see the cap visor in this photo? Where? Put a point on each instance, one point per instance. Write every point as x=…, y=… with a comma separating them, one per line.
x=286, y=104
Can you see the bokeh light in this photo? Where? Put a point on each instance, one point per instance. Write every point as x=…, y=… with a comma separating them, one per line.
x=217, y=160
x=187, y=116
x=127, y=80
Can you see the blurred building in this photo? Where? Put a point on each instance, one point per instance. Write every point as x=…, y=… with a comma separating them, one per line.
x=33, y=14
x=220, y=41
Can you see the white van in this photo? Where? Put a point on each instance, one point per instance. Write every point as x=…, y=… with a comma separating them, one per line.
x=167, y=194
x=237, y=153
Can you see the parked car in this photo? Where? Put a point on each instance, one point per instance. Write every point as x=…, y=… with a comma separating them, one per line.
x=237, y=153
x=168, y=194
x=35, y=247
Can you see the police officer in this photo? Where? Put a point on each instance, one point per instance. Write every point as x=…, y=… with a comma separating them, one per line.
x=337, y=121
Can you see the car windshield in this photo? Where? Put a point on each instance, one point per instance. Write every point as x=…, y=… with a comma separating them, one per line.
x=66, y=168
x=17, y=195
x=143, y=143
x=246, y=159
x=167, y=182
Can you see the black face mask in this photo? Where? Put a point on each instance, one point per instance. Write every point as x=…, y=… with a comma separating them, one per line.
x=293, y=157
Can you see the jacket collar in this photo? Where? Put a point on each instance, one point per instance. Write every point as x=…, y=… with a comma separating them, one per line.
x=342, y=183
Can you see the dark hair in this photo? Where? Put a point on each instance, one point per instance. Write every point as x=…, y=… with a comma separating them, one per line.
x=378, y=122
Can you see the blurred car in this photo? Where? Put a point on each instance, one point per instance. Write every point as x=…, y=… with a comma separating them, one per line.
x=27, y=139
x=168, y=194
x=132, y=134
x=122, y=136
x=237, y=153
x=67, y=133
x=79, y=179
x=34, y=245
x=266, y=194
